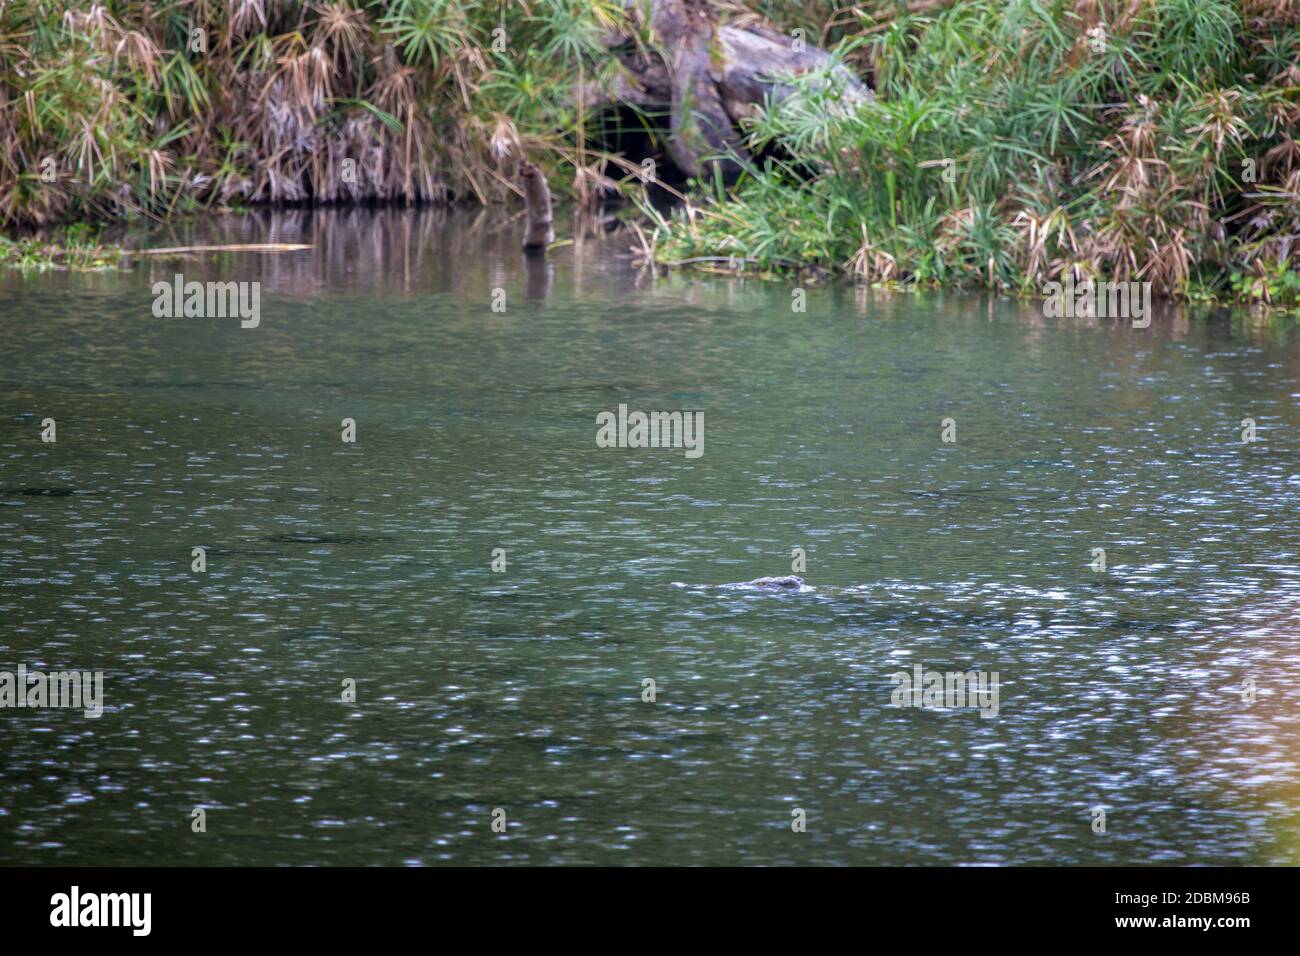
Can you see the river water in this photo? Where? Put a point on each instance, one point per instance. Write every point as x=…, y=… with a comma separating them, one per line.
x=1163, y=691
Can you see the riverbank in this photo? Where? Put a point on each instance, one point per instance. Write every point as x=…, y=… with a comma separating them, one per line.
x=71, y=249
x=1007, y=146
x=1011, y=144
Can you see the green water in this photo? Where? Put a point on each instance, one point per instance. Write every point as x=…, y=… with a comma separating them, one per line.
x=522, y=690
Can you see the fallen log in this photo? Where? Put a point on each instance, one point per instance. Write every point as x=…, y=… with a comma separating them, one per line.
x=710, y=76
x=232, y=247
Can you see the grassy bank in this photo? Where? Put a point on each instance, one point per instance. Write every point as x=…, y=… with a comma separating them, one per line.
x=115, y=109
x=1010, y=141
x=1134, y=140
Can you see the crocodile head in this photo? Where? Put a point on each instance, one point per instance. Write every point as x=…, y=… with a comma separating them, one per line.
x=787, y=581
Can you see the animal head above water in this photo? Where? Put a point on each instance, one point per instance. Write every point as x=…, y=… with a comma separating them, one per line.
x=787, y=581
x=786, y=584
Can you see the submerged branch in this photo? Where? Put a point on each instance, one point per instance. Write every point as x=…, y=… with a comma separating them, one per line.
x=234, y=247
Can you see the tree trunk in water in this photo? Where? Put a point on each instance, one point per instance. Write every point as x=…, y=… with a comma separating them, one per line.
x=539, y=231
x=709, y=75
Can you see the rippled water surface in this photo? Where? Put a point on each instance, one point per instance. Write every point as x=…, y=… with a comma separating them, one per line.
x=522, y=690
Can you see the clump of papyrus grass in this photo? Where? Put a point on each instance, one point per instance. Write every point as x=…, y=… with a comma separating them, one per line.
x=1011, y=141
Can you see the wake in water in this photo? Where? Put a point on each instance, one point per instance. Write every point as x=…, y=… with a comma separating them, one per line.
x=787, y=584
